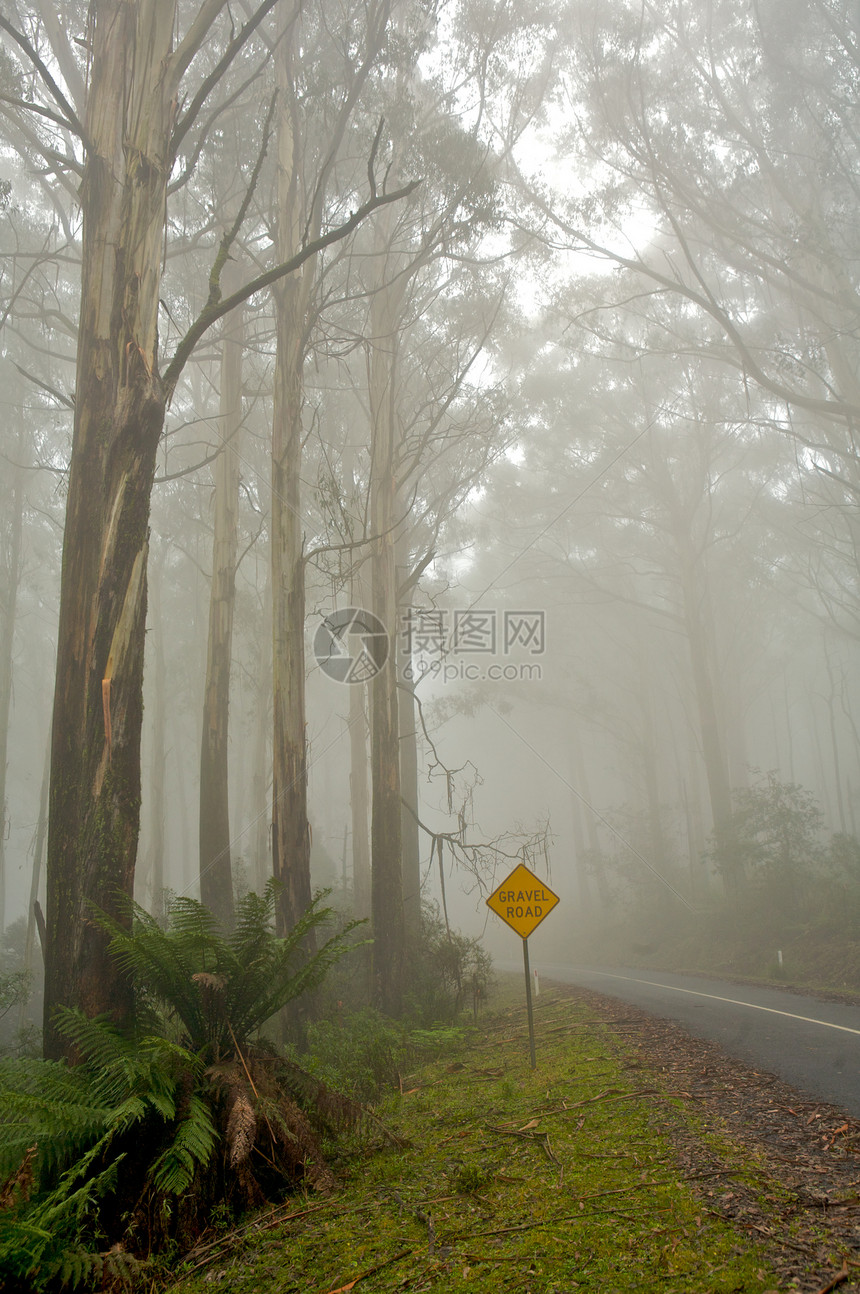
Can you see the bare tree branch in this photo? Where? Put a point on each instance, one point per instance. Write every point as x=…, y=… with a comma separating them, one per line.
x=70, y=120
x=215, y=310
x=209, y=82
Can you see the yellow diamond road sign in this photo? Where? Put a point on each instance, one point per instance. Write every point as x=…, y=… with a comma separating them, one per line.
x=523, y=900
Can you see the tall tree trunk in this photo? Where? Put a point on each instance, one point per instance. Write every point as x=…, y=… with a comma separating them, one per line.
x=260, y=816
x=158, y=751
x=10, y=572
x=710, y=726
x=407, y=719
x=36, y=874
x=119, y=412
x=385, y=827
x=411, y=845
x=583, y=888
x=290, y=830
x=359, y=799
x=359, y=789
x=580, y=774
x=299, y=220
x=186, y=877
x=216, y=867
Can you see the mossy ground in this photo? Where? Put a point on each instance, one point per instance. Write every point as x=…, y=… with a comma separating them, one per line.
x=539, y=1182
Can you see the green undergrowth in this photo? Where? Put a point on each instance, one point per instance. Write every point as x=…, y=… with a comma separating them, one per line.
x=495, y=1177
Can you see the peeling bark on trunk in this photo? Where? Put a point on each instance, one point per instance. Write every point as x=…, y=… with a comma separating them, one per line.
x=119, y=413
x=216, y=867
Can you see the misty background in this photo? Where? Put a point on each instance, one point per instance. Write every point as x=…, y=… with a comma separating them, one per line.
x=622, y=306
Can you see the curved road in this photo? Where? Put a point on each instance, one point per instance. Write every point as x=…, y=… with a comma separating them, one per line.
x=812, y=1044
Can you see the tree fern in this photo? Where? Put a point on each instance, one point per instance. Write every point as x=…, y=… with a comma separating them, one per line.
x=182, y=1100
x=222, y=988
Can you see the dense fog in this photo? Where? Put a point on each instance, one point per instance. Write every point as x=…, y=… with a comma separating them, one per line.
x=561, y=396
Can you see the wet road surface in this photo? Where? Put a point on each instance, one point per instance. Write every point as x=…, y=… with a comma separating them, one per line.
x=811, y=1043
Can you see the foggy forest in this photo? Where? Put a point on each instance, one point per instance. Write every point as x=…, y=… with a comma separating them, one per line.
x=429, y=445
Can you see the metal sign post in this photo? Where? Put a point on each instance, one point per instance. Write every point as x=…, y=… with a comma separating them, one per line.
x=529, y=1004
x=522, y=901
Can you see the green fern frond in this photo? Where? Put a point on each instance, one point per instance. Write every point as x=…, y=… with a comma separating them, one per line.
x=162, y=962
x=40, y=1240
x=285, y=981
x=77, y=1112
x=261, y=971
x=255, y=917
x=202, y=996
x=22, y=1244
x=111, y=1058
x=128, y=1076
x=191, y=1148
x=78, y=1265
x=276, y=970
x=46, y=1103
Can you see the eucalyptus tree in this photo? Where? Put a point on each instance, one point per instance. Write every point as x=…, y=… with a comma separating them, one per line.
x=708, y=154
x=34, y=298
x=723, y=167
x=216, y=874
x=430, y=399
x=432, y=431
x=310, y=143
x=11, y=537
x=130, y=135
x=726, y=174
x=644, y=497
x=38, y=255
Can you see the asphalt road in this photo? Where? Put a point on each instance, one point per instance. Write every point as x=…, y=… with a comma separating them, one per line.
x=812, y=1044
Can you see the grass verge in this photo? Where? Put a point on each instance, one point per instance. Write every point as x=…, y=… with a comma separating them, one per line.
x=539, y=1182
